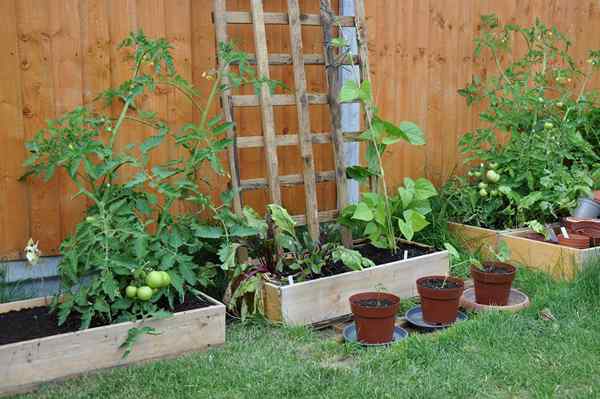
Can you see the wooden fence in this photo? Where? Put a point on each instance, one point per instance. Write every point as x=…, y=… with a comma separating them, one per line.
x=57, y=54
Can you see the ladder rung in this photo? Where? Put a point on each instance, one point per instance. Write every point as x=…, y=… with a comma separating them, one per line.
x=256, y=141
x=324, y=216
x=281, y=18
x=286, y=59
x=287, y=180
x=251, y=100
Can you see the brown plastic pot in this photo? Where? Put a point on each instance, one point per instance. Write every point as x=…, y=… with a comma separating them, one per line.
x=493, y=288
x=440, y=305
x=574, y=241
x=374, y=324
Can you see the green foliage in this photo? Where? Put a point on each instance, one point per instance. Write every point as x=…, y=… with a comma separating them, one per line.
x=408, y=209
x=278, y=250
x=130, y=227
x=534, y=155
x=378, y=216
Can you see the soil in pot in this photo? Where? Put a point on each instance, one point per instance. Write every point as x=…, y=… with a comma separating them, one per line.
x=440, y=297
x=493, y=282
x=574, y=241
x=26, y=324
x=381, y=256
x=374, y=316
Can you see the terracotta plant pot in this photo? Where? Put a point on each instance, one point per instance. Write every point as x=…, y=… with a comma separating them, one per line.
x=375, y=316
x=574, y=241
x=493, y=282
x=440, y=296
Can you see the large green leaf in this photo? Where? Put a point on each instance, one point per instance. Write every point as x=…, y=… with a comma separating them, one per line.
x=413, y=133
x=424, y=189
x=417, y=221
x=363, y=212
x=282, y=219
x=350, y=91
x=406, y=229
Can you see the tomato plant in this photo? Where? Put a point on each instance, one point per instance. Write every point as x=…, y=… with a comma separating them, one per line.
x=533, y=158
x=132, y=256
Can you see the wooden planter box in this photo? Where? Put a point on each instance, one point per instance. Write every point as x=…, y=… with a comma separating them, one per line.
x=479, y=239
x=25, y=365
x=559, y=261
x=314, y=301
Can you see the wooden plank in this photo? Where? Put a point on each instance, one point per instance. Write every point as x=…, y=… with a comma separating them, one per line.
x=304, y=135
x=280, y=18
x=326, y=298
x=253, y=141
x=226, y=105
x=285, y=180
x=95, y=27
x=334, y=86
x=35, y=55
x=324, y=217
x=558, y=261
x=67, y=70
x=27, y=364
x=266, y=102
x=250, y=100
x=286, y=59
x=178, y=29
x=14, y=215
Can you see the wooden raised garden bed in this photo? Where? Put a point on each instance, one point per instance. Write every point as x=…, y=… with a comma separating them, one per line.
x=326, y=298
x=559, y=261
x=27, y=364
x=479, y=239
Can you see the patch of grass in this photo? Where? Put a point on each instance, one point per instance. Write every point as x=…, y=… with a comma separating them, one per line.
x=494, y=355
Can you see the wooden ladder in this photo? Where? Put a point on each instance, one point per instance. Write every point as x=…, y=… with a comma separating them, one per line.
x=302, y=99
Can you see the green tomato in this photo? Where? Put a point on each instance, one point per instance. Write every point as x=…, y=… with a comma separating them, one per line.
x=494, y=193
x=166, y=279
x=477, y=173
x=482, y=185
x=493, y=165
x=90, y=219
x=548, y=125
x=131, y=291
x=482, y=193
x=144, y=293
x=154, y=279
x=492, y=176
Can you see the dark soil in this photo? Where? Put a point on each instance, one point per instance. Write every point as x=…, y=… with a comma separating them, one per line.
x=381, y=256
x=375, y=303
x=439, y=284
x=377, y=255
x=26, y=324
x=495, y=269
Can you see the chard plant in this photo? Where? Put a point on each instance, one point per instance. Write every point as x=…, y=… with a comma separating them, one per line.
x=533, y=157
x=379, y=216
x=277, y=251
x=132, y=256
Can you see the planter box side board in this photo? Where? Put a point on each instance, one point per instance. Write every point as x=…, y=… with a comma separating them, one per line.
x=559, y=261
x=24, y=365
x=326, y=298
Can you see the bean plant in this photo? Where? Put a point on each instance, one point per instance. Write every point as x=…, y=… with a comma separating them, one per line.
x=380, y=216
x=532, y=158
x=131, y=229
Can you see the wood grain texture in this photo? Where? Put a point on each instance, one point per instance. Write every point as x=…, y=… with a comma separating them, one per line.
x=326, y=298
x=304, y=127
x=25, y=365
x=420, y=51
x=558, y=261
x=266, y=103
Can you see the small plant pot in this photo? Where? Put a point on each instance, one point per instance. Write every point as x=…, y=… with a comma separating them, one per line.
x=493, y=283
x=574, y=241
x=440, y=297
x=375, y=316
x=587, y=209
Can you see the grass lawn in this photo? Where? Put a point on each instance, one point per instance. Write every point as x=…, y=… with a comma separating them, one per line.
x=494, y=355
